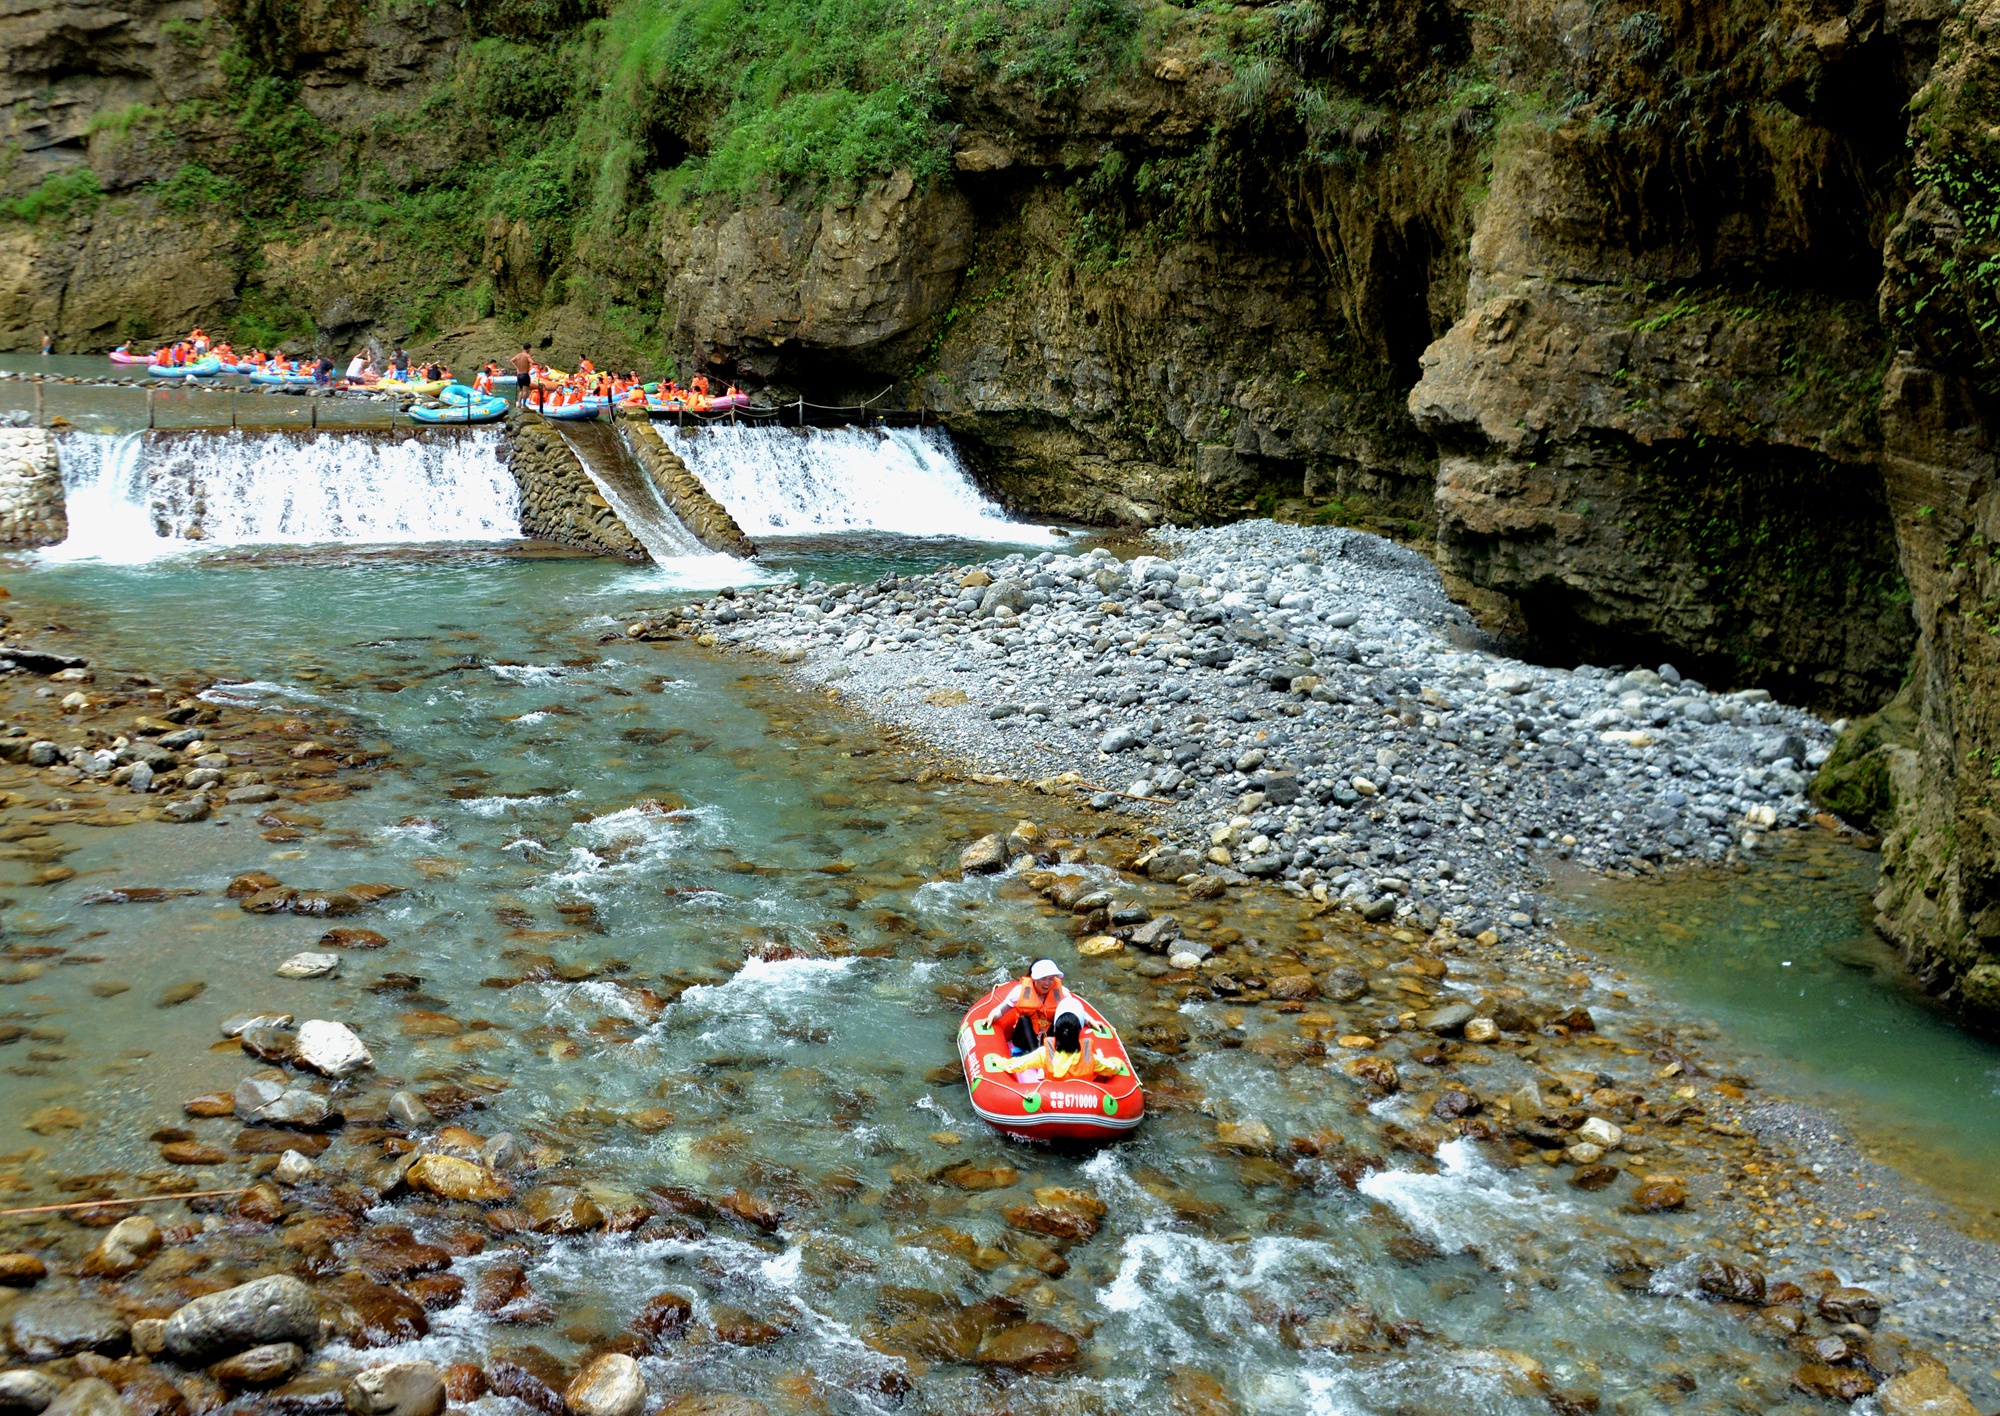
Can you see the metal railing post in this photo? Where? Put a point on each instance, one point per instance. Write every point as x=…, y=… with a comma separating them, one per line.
x=150, y=391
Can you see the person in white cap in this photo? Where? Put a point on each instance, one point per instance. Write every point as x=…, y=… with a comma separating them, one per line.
x=1025, y=1012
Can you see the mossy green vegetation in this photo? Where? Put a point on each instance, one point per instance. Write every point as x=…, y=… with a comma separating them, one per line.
x=57, y=195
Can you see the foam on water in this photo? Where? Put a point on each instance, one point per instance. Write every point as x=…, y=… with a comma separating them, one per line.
x=907, y=481
x=1467, y=1204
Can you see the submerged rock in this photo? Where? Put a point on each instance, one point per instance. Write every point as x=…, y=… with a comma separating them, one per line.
x=372, y=1314
x=1028, y=1347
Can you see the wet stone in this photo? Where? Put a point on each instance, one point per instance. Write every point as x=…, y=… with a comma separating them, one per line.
x=557, y=1209
x=1028, y=1347
x=265, y=1310
x=372, y=1314
x=93, y=1396
x=22, y=1389
x=346, y=937
x=316, y=1394
x=309, y=965
x=1724, y=1282
x=390, y=1253
x=402, y=1389
x=126, y=1246
x=498, y=1285
x=1651, y=1195
x=41, y=1329
x=269, y=1044
x=664, y=1318
x=148, y=1392
x=1833, y=1383
x=735, y=1328
x=22, y=1270
x=983, y=856
x=608, y=1385
x=530, y=1376
x=259, y=1366
x=239, y=1023
x=1446, y=1021
x=1850, y=1305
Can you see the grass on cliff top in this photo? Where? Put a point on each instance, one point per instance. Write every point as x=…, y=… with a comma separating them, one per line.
x=831, y=92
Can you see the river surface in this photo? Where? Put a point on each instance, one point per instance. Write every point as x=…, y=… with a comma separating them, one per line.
x=583, y=829
x=188, y=403
x=1783, y=957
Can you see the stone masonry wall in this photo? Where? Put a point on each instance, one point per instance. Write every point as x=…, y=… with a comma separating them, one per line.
x=683, y=492
x=31, y=489
x=558, y=502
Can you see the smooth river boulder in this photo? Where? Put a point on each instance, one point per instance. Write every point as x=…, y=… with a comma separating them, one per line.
x=399, y=1389
x=610, y=1386
x=265, y=1310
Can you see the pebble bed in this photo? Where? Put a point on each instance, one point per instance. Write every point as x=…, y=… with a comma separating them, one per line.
x=1304, y=705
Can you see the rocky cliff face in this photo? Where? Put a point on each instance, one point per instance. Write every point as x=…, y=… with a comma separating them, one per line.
x=1936, y=758
x=1672, y=329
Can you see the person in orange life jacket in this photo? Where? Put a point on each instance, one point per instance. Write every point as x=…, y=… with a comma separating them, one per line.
x=1067, y=1052
x=1026, y=1010
x=482, y=382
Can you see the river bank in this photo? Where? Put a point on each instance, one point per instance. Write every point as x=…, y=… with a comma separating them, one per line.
x=1304, y=706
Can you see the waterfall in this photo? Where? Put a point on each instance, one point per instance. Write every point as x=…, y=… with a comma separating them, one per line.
x=908, y=481
x=136, y=497
x=107, y=500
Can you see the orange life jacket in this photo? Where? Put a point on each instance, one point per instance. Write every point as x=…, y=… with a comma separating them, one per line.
x=1022, y=1000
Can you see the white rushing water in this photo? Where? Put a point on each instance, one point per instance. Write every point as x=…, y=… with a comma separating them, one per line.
x=907, y=481
x=133, y=499
x=683, y=562
x=107, y=500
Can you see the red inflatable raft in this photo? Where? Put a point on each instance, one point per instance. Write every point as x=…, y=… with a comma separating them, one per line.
x=1066, y=1108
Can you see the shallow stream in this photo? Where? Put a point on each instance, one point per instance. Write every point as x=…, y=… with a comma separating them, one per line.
x=1784, y=959
x=698, y=810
